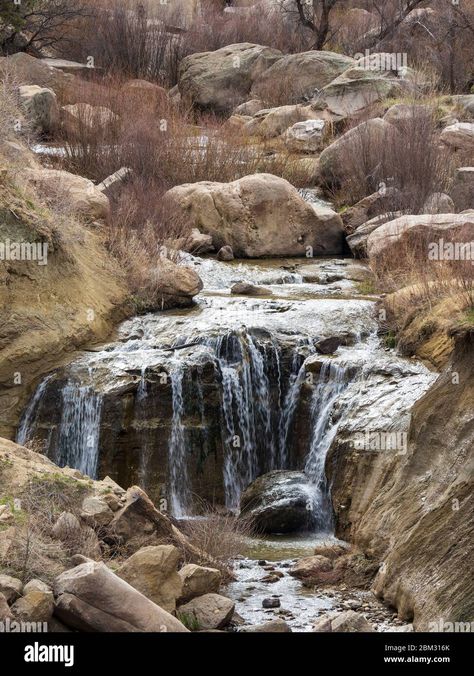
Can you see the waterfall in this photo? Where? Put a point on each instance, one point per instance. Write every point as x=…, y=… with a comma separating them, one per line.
x=179, y=492
x=146, y=449
x=259, y=397
x=248, y=369
x=27, y=423
x=333, y=379
x=289, y=407
x=79, y=429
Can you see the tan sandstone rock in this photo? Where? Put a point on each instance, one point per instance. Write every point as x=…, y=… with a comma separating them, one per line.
x=211, y=611
x=81, y=194
x=259, y=215
x=198, y=580
x=90, y=597
x=153, y=571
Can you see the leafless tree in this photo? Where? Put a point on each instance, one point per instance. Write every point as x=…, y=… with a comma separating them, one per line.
x=450, y=41
x=390, y=16
x=34, y=25
x=314, y=15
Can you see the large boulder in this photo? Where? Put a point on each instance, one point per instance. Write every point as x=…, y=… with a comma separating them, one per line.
x=302, y=75
x=67, y=527
x=175, y=285
x=10, y=587
x=153, y=571
x=5, y=612
x=357, y=88
x=424, y=231
x=198, y=580
x=370, y=206
x=36, y=585
x=148, y=93
x=41, y=108
x=96, y=511
x=222, y=79
x=259, y=215
x=194, y=242
x=27, y=70
x=358, y=239
x=90, y=597
x=366, y=140
x=278, y=502
x=272, y=627
x=210, y=611
x=138, y=519
x=249, y=107
x=271, y=122
x=402, y=115
x=79, y=193
x=466, y=101
x=459, y=136
x=438, y=203
x=348, y=621
x=82, y=117
x=18, y=155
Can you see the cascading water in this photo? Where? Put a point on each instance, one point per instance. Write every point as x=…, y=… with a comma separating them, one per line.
x=333, y=379
x=237, y=399
x=248, y=433
x=179, y=485
x=79, y=429
x=28, y=419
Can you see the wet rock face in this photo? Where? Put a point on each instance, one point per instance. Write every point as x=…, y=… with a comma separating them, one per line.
x=135, y=427
x=278, y=502
x=132, y=443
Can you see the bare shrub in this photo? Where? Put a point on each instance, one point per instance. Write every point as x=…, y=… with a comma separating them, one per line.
x=36, y=552
x=407, y=158
x=263, y=25
x=127, y=38
x=426, y=282
x=13, y=124
x=221, y=537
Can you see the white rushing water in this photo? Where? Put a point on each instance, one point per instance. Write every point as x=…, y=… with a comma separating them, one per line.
x=27, y=421
x=79, y=429
x=267, y=369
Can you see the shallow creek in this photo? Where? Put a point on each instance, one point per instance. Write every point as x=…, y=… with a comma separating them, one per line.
x=299, y=606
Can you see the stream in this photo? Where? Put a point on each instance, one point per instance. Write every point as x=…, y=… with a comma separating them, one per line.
x=194, y=404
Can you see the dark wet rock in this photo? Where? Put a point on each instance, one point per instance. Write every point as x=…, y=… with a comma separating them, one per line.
x=278, y=502
x=271, y=603
x=270, y=579
x=330, y=345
